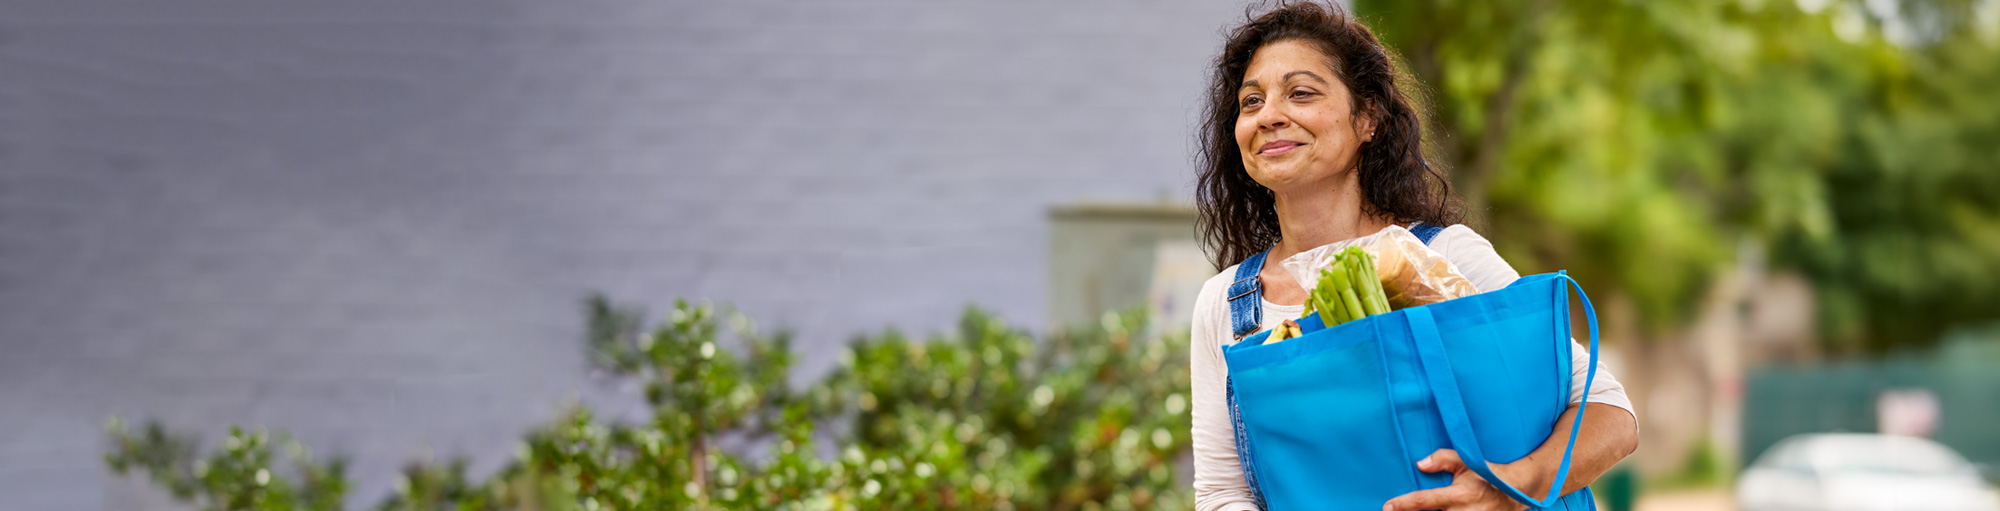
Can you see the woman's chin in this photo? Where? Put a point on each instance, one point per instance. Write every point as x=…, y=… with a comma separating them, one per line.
x=1282, y=177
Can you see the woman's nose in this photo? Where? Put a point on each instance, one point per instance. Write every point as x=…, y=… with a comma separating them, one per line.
x=1271, y=118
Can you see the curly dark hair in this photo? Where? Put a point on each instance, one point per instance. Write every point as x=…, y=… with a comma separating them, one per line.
x=1398, y=181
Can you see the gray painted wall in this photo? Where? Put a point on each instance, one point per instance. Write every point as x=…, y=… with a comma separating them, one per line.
x=371, y=222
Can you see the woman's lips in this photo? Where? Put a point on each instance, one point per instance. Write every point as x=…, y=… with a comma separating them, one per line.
x=1279, y=147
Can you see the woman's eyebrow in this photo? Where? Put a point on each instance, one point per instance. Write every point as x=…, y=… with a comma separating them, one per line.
x=1247, y=84
x=1288, y=76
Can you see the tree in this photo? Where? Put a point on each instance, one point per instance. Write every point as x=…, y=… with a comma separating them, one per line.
x=1639, y=143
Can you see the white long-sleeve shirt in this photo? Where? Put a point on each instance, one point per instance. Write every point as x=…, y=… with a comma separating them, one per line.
x=1218, y=475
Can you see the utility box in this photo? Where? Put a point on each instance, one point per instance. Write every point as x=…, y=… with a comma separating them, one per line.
x=1110, y=257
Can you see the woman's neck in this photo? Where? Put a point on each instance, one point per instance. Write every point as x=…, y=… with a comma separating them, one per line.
x=1313, y=218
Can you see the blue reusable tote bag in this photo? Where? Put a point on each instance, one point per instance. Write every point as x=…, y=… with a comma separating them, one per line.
x=1337, y=418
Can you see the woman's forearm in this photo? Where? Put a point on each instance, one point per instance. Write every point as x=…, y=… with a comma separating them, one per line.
x=1609, y=434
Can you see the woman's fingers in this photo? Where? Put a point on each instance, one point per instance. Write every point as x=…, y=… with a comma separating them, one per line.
x=1448, y=497
x=1440, y=461
x=1467, y=492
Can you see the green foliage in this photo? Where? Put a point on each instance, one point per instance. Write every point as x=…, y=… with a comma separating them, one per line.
x=985, y=418
x=1641, y=144
x=238, y=477
x=1093, y=416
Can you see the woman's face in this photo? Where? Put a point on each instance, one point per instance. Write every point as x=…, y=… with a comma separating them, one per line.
x=1296, y=126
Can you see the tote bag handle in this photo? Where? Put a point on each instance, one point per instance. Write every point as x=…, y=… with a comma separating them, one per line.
x=1451, y=405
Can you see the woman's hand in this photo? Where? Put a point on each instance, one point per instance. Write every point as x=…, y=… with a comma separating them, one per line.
x=1602, y=440
x=1468, y=491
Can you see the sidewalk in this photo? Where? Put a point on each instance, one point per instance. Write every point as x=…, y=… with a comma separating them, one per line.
x=1714, y=499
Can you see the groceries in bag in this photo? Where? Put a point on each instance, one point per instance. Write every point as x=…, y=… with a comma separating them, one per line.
x=1410, y=273
x=1347, y=289
x=1286, y=330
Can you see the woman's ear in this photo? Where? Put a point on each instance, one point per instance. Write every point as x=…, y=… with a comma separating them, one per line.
x=1366, y=119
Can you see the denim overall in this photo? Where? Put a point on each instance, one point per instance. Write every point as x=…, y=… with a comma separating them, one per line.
x=1246, y=313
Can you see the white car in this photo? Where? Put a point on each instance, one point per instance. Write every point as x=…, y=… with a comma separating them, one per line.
x=1862, y=472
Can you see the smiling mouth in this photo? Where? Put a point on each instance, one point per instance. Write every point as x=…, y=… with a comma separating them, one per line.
x=1278, y=148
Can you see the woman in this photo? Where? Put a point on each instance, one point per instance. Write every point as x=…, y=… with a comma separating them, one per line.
x=1309, y=140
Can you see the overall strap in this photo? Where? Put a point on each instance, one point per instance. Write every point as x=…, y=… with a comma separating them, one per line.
x=1246, y=314
x=1246, y=297
x=1425, y=232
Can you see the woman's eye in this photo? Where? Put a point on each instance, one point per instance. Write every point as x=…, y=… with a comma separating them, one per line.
x=1251, y=101
x=1301, y=94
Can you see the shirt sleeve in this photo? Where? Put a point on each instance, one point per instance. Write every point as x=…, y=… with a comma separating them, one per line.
x=1218, y=474
x=1474, y=257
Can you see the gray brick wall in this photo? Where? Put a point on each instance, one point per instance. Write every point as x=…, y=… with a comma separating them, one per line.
x=371, y=222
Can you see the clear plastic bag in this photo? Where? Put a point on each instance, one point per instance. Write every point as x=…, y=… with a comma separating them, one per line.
x=1412, y=274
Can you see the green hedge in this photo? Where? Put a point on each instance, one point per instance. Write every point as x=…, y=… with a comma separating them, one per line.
x=984, y=418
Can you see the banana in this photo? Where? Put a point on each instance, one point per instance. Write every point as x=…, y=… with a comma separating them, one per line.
x=1286, y=330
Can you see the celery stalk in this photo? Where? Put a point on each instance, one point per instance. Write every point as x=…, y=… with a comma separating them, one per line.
x=1328, y=312
x=1372, y=296
x=1341, y=286
x=1353, y=303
